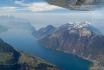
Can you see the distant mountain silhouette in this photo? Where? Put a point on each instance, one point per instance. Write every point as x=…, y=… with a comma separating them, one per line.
x=42, y=32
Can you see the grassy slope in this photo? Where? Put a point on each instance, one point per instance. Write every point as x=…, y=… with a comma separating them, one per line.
x=36, y=63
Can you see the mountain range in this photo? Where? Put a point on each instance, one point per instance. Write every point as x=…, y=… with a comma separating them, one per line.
x=80, y=38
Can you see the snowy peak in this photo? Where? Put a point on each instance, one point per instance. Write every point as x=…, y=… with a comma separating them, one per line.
x=76, y=25
x=81, y=24
x=83, y=28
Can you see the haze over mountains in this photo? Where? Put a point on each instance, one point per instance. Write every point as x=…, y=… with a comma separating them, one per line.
x=13, y=59
x=79, y=38
x=40, y=28
x=14, y=22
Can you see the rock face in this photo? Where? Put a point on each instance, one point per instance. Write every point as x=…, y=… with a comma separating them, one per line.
x=10, y=59
x=81, y=39
x=42, y=32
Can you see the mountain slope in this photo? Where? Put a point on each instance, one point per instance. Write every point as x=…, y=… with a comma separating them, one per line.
x=42, y=32
x=10, y=59
x=80, y=39
x=7, y=54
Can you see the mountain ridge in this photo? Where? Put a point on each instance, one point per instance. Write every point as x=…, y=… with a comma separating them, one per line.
x=84, y=41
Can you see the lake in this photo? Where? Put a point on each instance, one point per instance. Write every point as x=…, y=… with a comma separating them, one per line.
x=3, y=29
x=24, y=40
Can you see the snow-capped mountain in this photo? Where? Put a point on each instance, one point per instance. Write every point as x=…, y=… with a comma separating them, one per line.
x=79, y=38
x=77, y=25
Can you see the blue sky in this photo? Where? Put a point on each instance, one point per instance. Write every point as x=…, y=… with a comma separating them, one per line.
x=12, y=2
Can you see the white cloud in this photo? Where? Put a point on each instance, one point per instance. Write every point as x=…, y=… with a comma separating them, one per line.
x=7, y=9
x=21, y=3
x=36, y=7
x=41, y=7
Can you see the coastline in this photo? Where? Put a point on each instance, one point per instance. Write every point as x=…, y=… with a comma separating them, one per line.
x=91, y=62
x=38, y=58
x=94, y=64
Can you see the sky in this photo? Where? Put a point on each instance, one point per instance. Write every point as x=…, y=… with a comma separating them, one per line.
x=40, y=13
x=26, y=6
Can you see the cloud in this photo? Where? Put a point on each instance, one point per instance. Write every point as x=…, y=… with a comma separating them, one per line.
x=7, y=9
x=23, y=6
x=36, y=6
x=21, y=3
x=42, y=7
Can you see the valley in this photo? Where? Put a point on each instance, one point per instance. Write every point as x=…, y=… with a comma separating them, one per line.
x=24, y=40
x=77, y=44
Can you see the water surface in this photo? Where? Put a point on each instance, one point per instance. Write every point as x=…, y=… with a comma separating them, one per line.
x=23, y=39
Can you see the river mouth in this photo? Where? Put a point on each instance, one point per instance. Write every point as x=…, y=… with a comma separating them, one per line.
x=23, y=40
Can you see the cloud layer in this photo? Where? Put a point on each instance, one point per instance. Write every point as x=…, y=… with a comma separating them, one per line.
x=21, y=5
x=41, y=7
x=29, y=6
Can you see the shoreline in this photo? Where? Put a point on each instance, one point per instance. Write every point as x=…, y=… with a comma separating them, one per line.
x=37, y=57
x=94, y=64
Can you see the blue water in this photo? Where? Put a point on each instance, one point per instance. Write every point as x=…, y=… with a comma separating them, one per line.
x=25, y=41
